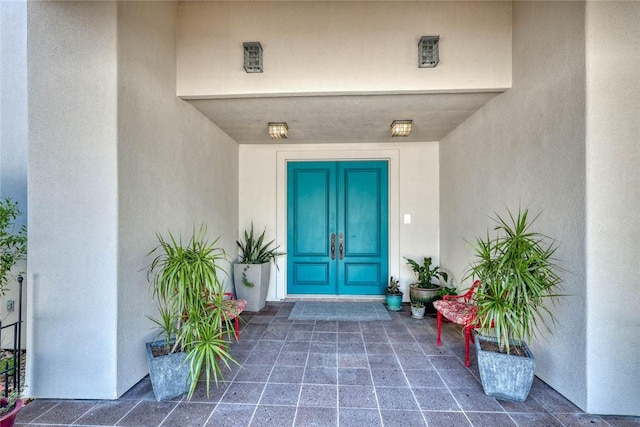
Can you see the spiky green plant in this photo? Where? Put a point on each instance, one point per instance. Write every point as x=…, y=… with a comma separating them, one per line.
x=254, y=250
x=517, y=274
x=186, y=280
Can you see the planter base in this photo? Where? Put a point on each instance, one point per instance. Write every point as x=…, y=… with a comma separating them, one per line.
x=504, y=376
x=169, y=374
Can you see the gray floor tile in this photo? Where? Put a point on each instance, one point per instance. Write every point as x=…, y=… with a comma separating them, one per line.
x=318, y=395
x=107, y=413
x=475, y=400
x=354, y=376
x=579, y=420
x=446, y=419
x=490, y=419
x=360, y=417
x=423, y=378
x=534, y=419
x=246, y=393
x=65, y=413
x=316, y=416
x=394, y=418
x=389, y=377
x=253, y=373
x=435, y=399
x=188, y=414
x=147, y=414
x=357, y=397
x=320, y=375
x=323, y=360
x=287, y=374
x=269, y=416
x=231, y=415
x=292, y=358
x=280, y=394
x=396, y=398
x=353, y=361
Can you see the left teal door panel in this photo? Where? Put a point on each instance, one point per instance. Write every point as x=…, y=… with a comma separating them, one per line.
x=310, y=219
x=337, y=235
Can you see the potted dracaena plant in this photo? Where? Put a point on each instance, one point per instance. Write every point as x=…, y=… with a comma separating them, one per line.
x=186, y=281
x=424, y=289
x=517, y=275
x=252, y=272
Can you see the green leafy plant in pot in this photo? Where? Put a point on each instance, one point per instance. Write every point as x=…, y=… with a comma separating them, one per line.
x=187, y=286
x=393, y=295
x=252, y=272
x=424, y=289
x=517, y=274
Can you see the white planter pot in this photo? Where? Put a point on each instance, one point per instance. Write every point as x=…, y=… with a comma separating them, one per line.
x=257, y=275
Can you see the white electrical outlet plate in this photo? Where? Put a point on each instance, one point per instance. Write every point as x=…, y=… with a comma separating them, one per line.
x=407, y=218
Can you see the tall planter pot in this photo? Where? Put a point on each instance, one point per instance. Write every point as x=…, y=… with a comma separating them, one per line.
x=169, y=373
x=505, y=376
x=257, y=275
x=425, y=296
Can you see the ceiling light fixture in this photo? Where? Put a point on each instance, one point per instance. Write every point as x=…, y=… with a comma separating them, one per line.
x=278, y=130
x=401, y=127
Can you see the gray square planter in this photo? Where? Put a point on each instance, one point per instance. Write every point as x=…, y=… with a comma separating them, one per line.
x=504, y=376
x=259, y=275
x=169, y=374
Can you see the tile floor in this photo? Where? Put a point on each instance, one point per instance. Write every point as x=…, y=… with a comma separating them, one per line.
x=319, y=373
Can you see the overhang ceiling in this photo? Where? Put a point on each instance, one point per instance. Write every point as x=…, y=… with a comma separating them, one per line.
x=342, y=118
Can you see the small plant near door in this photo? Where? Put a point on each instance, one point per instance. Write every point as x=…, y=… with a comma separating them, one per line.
x=254, y=250
x=393, y=295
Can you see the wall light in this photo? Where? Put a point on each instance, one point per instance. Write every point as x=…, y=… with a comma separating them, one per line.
x=401, y=127
x=278, y=130
x=428, y=51
x=252, y=57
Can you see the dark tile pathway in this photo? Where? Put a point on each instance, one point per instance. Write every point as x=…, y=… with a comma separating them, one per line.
x=319, y=373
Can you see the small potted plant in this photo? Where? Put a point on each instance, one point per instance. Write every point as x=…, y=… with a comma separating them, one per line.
x=393, y=295
x=251, y=274
x=424, y=290
x=9, y=408
x=517, y=275
x=417, y=309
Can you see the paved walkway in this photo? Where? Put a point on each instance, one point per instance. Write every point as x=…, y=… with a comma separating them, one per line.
x=320, y=373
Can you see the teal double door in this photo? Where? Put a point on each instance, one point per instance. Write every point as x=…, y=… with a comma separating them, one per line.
x=337, y=227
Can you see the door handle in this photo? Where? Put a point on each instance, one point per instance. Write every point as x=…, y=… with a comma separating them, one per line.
x=333, y=245
x=341, y=245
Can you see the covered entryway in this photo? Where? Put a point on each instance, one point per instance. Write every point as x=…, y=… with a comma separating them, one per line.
x=337, y=227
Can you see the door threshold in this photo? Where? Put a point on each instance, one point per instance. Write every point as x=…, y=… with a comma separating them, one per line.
x=334, y=298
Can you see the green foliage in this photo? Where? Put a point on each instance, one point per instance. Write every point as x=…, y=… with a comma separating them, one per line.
x=187, y=287
x=393, y=288
x=425, y=274
x=417, y=304
x=13, y=244
x=517, y=273
x=254, y=250
x=447, y=291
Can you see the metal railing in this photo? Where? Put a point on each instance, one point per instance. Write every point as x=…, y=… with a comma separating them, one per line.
x=11, y=368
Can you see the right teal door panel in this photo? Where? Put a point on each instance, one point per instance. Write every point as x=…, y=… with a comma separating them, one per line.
x=337, y=235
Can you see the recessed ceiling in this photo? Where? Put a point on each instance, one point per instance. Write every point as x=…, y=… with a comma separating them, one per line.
x=342, y=118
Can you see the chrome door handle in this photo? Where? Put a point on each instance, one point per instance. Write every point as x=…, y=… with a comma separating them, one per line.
x=333, y=245
x=341, y=245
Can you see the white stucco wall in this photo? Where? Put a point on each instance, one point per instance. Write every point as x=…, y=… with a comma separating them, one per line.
x=413, y=178
x=336, y=47
x=73, y=199
x=613, y=203
x=115, y=156
x=176, y=169
x=526, y=148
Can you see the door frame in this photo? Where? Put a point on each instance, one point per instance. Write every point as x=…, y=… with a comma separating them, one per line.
x=314, y=154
